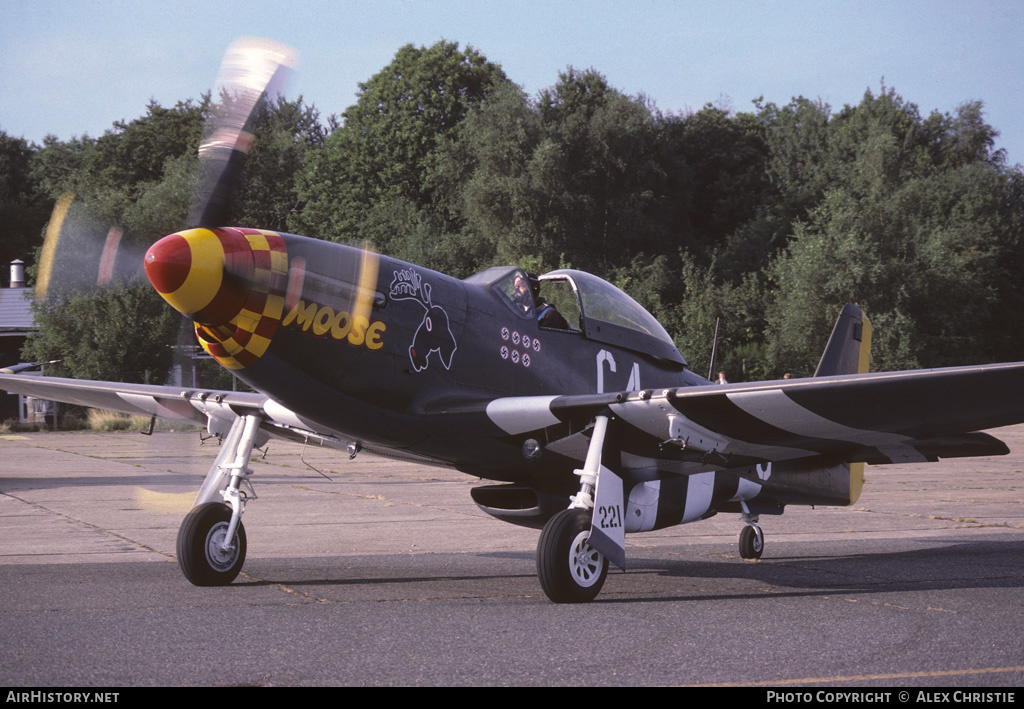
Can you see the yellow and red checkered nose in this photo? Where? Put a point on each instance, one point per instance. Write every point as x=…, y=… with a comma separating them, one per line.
x=203, y=273
x=231, y=282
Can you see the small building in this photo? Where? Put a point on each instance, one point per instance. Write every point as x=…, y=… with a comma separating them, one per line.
x=16, y=322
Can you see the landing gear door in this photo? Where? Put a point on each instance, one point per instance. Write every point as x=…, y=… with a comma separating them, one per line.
x=608, y=528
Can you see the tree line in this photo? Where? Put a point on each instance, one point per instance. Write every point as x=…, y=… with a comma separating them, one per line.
x=769, y=219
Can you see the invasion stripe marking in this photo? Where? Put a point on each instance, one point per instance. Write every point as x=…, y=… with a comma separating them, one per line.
x=775, y=406
x=700, y=489
x=651, y=417
x=717, y=413
x=746, y=490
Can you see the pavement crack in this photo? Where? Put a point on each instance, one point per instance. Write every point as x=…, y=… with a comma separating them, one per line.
x=137, y=544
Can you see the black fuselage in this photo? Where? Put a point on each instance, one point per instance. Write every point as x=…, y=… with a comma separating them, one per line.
x=412, y=375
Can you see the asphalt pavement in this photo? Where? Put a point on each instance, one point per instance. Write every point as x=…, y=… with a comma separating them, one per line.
x=378, y=572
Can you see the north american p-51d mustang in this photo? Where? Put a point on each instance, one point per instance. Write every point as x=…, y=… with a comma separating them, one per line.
x=561, y=389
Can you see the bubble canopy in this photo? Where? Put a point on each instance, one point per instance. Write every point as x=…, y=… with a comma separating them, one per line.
x=606, y=314
x=609, y=315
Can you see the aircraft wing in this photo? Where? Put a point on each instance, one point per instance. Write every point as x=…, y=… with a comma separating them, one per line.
x=212, y=408
x=887, y=417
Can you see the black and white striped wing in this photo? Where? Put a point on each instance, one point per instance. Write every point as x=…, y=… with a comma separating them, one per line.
x=887, y=417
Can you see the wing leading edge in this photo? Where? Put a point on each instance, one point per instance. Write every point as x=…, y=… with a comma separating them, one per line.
x=215, y=409
x=174, y=403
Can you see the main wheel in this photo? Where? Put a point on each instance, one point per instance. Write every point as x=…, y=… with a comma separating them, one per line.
x=200, y=539
x=570, y=570
x=751, y=542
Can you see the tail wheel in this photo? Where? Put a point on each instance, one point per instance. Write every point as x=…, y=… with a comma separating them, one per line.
x=751, y=542
x=569, y=569
x=201, y=553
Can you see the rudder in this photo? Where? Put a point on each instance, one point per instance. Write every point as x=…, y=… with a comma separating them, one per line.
x=849, y=347
x=848, y=352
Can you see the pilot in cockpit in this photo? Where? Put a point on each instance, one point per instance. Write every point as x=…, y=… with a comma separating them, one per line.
x=522, y=298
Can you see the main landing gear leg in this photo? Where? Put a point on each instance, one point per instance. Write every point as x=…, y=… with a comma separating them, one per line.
x=569, y=569
x=751, y=538
x=211, y=539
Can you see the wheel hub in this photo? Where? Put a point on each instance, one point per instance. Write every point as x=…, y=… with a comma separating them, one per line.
x=220, y=557
x=585, y=561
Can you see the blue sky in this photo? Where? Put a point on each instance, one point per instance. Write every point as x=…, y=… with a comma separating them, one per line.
x=74, y=67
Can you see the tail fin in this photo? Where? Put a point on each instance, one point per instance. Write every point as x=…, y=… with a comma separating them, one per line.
x=849, y=347
x=847, y=352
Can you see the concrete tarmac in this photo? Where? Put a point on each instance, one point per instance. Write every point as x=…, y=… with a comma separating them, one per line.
x=388, y=574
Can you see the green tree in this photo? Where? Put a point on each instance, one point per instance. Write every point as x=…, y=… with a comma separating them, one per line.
x=116, y=176
x=483, y=178
x=832, y=260
x=117, y=334
x=963, y=138
x=919, y=222
x=604, y=165
x=60, y=166
x=23, y=204
x=584, y=171
x=386, y=148
x=285, y=133
x=109, y=172
x=725, y=158
x=738, y=312
x=933, y=264
x=133, y=154
x=797, y=136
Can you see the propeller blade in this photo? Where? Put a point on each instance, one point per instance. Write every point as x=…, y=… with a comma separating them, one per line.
x=366, y=282
x=50, y=243
x=81, y=253
x=252, y=67
x=109, y=256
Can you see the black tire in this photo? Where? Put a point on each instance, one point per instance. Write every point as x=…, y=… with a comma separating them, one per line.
x=569, y=569
x=751, y=542
x=198, y=546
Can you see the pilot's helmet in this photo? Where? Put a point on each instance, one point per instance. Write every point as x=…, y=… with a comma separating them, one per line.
x=520, y=286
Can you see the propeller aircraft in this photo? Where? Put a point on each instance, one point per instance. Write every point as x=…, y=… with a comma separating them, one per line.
x=559, y=389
